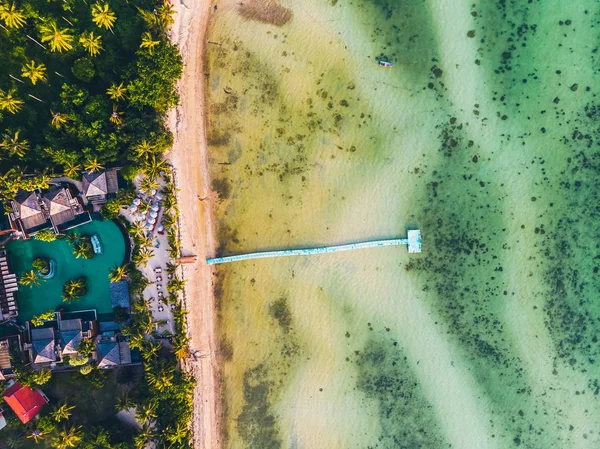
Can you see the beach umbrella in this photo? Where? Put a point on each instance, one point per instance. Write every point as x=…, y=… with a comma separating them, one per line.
x=133, y=208
x=137, y=201
x=160, y=228
x=153, y=214
x=152, y=192
x=152, y=220
x=149, y=225
x=159, y=196
x=155, y=208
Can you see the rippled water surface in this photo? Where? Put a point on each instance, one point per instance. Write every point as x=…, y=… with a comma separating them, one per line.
x=485, y=135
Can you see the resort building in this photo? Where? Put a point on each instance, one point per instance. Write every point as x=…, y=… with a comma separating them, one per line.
x=97, y=186
x=27, y=216
x=26, y=402
x=111, y=352
x=65, y=211
x=71, y=333
x=42, y=350
x=57, y=210
x=8, y=289
x=6, y=344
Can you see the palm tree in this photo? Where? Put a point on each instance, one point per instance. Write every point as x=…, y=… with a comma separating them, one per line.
x=91, y=42
x=177, y=435
x=33, y=72
x=59, y=39
x=80, y=251
x=68, y=437
x=115, y=117
x=9, y=102
x=103, y=16
x=118, y=274
x=62, y=412
x=147, y=411
x=146, y=436
x=92, y=165
x=148, y=184
x=148, y=42
x=42, y=180
x=161, y=379
x=15, y=440
x=165, y=14
x=37, y=435
x=155, y=166
x=151, y=350
x=12, y=17
x=137, y=230
x=58, y=119
x=136, y=341
x=72, y=170
x=180, y=347
x=29, y=279
x=116, y=92
x=13, y=145
x=124, y=403
x=142, y=257
x=143, y=149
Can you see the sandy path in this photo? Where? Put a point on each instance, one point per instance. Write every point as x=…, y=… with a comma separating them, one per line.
x=190, y=160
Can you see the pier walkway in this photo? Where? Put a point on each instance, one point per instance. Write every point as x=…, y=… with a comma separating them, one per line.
x=413, y=242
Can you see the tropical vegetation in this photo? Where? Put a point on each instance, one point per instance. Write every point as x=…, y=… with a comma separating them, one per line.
x=89, y=83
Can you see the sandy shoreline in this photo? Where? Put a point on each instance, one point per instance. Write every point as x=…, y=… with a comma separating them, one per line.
x=190, y=159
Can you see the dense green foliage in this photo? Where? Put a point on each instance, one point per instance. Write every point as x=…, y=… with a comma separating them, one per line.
x=95, y=95
x=42, y=265
x=40, y=319
x=74, y=289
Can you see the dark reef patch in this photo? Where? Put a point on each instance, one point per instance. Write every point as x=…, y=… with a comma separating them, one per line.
x=406, y=418
x=256, y=424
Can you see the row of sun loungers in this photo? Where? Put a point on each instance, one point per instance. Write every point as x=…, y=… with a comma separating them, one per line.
x=8, y=289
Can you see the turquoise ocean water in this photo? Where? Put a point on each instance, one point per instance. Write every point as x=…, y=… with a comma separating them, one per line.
x=485, y=135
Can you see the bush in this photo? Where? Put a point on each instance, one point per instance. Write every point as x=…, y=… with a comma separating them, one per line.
x=83, y=247
x=83, y=69
x=74, y=289
x=86, y=346
x=42, y=265
x=40, y=319
x=86, y=369
x=45, y=235
x=129, y=172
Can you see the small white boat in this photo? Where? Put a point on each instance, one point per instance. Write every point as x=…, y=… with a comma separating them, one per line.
x=386, y=64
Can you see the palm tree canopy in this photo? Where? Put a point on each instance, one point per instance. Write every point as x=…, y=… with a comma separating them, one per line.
x=93, y=165
x=62, y=412
x=58, y=119
x=12, y=17
x=67, y=438
x=14, y=146
x=34, y=72
x=116, y=92
x=115, y=117
x=29, y=279
x=59, y=39
x=9, y=102
x=118, y=273
x=148, y=42
x=91, y=42
x=72, y=170
x=103, y=16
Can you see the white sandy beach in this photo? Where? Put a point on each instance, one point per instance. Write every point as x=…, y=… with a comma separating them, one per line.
x=189, y=158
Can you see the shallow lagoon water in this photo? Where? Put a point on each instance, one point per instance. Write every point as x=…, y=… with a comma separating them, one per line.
x=485, y=136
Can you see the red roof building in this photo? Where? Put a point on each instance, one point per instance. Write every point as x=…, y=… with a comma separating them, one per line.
x=25, y=402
